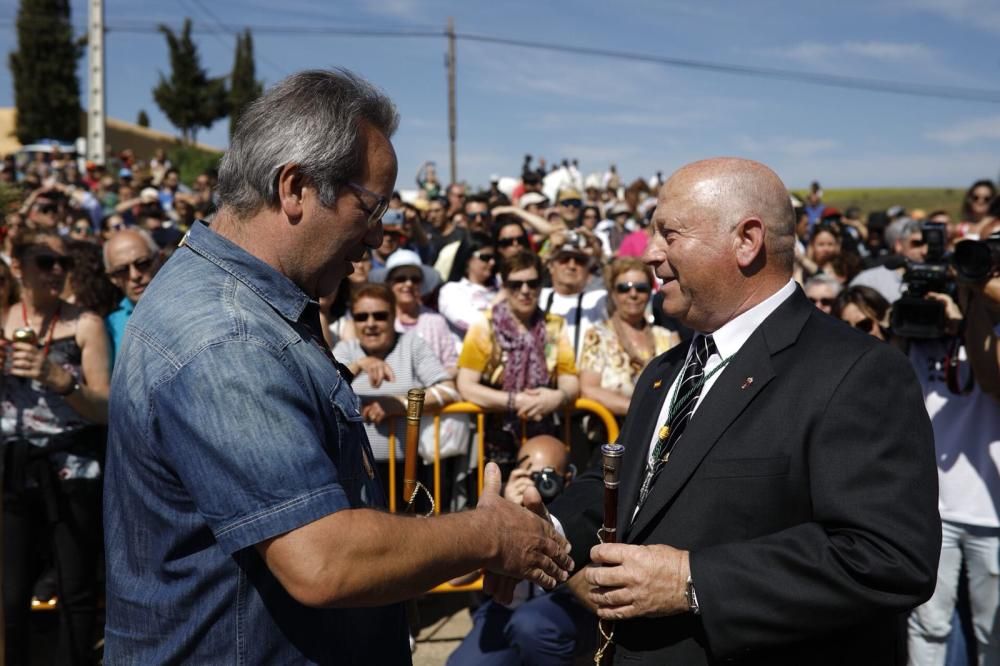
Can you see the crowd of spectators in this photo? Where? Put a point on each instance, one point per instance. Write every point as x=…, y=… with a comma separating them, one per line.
x=520, y=297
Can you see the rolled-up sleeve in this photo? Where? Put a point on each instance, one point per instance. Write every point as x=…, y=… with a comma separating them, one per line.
x=252, y=454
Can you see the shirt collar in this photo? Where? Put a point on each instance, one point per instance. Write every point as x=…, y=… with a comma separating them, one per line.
x=126, y=305
x=275, y=288
x=731, y=336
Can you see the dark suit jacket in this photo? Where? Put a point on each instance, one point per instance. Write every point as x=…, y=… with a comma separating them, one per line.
x=807, y=498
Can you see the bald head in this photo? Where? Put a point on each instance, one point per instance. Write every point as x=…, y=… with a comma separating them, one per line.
x=544, y=451
x=738, y=189
x=131, y=259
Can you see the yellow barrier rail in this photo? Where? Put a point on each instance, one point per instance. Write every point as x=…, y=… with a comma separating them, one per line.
x=580, y=405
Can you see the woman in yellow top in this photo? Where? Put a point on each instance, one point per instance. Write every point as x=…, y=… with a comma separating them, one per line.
x=518, y=361
x=615, y=352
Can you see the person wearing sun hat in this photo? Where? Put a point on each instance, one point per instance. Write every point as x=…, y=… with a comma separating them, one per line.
x=411, y=281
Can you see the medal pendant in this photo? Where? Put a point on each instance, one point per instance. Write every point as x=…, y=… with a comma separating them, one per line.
x=664, y=432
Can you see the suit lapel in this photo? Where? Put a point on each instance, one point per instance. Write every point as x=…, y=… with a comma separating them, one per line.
x=730, y=395
x=645, y=409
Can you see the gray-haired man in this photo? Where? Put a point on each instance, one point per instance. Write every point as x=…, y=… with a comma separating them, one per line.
x=243, y=520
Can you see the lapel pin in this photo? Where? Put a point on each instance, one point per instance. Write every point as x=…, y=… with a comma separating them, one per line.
x=658, y=383
x=747, y=382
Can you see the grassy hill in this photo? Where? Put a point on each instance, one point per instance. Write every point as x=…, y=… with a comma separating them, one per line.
x=926, y=198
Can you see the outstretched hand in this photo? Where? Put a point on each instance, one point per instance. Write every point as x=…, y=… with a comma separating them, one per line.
x=528, y=547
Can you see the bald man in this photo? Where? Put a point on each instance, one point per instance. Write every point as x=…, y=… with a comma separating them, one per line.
x=131, y=259
x=778, y=498
x=537, y=627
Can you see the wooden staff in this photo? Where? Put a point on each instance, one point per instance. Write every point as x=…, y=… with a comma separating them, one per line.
x=612, y=456
x=414, y=408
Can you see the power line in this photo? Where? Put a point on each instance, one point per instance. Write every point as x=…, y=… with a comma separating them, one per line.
x=950, y=93
x=815, y=78
x=207, y=11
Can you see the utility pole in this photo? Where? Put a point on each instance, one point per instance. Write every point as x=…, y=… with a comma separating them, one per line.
x=96, y=142
x=452, y=122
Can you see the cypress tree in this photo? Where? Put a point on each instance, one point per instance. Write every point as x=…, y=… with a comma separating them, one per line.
x=143, y=119
x=46, y=90
x=189, y=98
x=243, y=87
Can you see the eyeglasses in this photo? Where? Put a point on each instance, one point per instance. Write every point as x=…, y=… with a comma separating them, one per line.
x=381, y=203
x=625, y=287
x=574, y=203
x=518, y=285
x=415, y=278
x=46, y=209
x=984, y=198
x=507, y=242
x=47, y=262
x=486, y=257
x=379, y=315
x=578, y=259
x=481, y=215
x=825, y=302
x=141, y=265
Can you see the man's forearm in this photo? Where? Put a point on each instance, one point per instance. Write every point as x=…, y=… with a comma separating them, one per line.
x=363, y=557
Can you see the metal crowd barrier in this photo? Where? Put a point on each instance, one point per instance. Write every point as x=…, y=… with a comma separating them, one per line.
x=581, y=404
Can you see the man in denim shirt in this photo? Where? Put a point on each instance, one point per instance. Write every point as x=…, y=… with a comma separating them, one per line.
x=241, y=507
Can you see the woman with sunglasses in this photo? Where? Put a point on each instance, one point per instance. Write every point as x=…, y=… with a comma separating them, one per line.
x=55, y=389
x=517, y=362
x=976, y=203
x=615, y=352
x=865, y=309
x=472, y=286
x=411, y=281
x=385, y=366
x=510, y=237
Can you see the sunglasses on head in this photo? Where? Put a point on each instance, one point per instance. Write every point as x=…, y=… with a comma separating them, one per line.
x=517, y=285
x=142, y=265
x=825, y=302
x=378, y=315
x=625, y=287
x=484, y=256
x=47, y=262
x=508, y=242
x=415, y=278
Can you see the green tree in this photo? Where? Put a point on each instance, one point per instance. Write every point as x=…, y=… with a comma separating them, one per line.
x=46, y=90
x=189, y=98
x=243, y=86
x=143, y=119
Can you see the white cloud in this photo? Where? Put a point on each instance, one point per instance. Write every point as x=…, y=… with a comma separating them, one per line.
x=815, y=53
x=980, y=14
x=977, y=129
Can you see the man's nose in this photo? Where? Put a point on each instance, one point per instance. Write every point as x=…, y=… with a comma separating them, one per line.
x=375, y=235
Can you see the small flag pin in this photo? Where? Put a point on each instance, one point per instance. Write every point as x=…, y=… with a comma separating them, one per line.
x=747, y=382
x=658, y=383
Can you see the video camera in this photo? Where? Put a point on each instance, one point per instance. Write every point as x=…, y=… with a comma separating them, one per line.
x=915, y=315
x=977, y=260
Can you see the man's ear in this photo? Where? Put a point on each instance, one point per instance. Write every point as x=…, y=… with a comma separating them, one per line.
x=291, y=184
x=749, y=242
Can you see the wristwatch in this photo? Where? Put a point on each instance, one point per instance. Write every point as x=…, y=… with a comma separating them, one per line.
x=692, y=597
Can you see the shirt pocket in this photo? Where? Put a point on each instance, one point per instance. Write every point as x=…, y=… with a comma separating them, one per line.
x=354, y=459
x=730, y=468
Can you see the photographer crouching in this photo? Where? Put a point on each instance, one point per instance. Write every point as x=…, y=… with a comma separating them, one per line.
x=537, y=627
x=950, y=320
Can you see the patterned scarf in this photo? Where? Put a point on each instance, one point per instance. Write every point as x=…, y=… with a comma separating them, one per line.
x=525, y=366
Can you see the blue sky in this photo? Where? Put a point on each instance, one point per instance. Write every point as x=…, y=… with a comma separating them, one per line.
x=644, y=117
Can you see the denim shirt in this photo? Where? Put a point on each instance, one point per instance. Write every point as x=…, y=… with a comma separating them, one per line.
x=230, y=424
